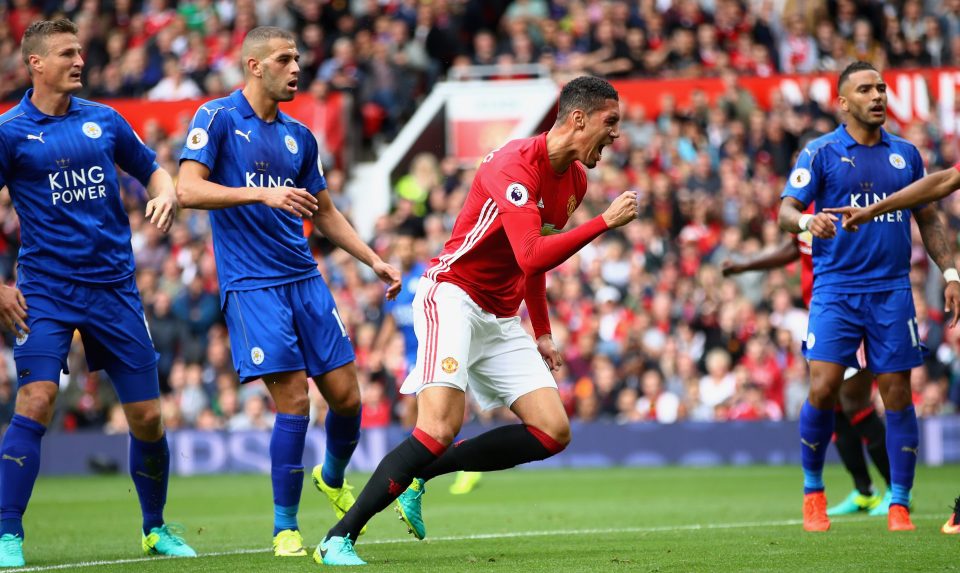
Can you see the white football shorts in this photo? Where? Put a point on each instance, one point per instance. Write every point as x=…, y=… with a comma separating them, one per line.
x=460, y=345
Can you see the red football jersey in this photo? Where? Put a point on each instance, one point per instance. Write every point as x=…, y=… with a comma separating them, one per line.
x=504, y=232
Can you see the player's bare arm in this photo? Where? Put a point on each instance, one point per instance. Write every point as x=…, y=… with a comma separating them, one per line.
x=793, y=220
x=935, y=240
x=13, y=309
x=335, y=227
x=784, y=254
x=195, y=191
x=163, y=204
x=929, y=189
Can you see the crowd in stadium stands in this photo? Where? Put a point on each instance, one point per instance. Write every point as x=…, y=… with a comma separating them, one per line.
x=649, y=326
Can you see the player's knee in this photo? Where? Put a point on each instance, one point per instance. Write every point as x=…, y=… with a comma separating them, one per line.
x=560, y=432
x=347, y=403
x=35, y=401
x=146, y=423
x=294, y=404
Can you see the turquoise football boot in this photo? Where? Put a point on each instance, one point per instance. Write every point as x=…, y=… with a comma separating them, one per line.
x=855, y=503
x=337, y=551
x=11, y=551
x=409, y=506
x=166, y=540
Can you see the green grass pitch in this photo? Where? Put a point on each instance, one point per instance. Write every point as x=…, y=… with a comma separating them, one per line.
x=624, y=519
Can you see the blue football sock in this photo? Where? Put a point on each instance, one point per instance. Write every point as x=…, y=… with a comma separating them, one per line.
x=19, y=467
x=150, y=470
x=816, y=429
x=343, y=433
x=903, y=437
x=286, y=468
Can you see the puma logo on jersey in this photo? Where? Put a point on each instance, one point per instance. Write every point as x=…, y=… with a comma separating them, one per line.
x=909, y=450
x=848, y=160
x=39, y=138
x=19, y=460
x=209, y=111
x=812, y=446
x=243, y=135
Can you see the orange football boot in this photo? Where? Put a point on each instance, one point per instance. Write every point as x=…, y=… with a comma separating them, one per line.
x=815, y=512
x=952, y=526
x=899, y=519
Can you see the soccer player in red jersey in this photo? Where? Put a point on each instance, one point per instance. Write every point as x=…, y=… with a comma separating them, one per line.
x=856, y=423
x=465, y=312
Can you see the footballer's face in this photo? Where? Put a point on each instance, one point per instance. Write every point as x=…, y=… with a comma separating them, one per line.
x=281, y=69
x=59, y=69
x=864, y=97
x=404, y=251
x=596, y=130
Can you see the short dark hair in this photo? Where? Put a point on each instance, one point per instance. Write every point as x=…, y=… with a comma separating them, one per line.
x=853, y=68
x=35, y=36
x=263, y=34
x=588, y=93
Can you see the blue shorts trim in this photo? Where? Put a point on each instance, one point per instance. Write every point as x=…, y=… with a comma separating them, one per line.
x=286, y=328
x=884, y=321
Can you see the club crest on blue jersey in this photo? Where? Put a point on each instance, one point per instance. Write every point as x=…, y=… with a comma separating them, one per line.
x=256, y=355
x=898, y=161
x=291, y=144
x=92, y=130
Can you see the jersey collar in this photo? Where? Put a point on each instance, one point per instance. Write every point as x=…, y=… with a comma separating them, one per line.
x=37, y=115
x=246, y=110
x=848, y=140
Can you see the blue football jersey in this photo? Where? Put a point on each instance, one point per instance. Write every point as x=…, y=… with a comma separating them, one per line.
x=62, y=177
x=836, y=171
x=401, y=309
x=256, y=246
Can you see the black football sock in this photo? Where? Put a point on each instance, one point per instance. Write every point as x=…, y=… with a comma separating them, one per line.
x=872, y=431
x=498, y=449
x=388, y=481
x=850, y=449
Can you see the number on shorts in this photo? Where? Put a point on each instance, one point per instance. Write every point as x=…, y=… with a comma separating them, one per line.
x=343, y=329
x=914, y=328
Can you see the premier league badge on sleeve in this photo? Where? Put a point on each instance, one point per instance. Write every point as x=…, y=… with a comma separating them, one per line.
x=197, y=138
x=517, y=194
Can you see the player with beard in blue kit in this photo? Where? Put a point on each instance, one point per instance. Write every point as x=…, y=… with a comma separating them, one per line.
x=258, y=171
x=76, y=272
x=861, y=288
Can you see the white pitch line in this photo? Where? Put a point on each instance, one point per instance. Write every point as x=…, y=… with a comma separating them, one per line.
x=478, y=536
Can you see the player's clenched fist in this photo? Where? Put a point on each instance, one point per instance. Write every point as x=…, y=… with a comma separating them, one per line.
x=291, y=199
x=623, y=210
x=823, y=226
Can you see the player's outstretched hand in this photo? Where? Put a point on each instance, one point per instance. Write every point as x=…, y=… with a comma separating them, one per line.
x=293, y=200
x=550, y=352
x=389, y=275
x=853, y=217
x=162, y=210
x=728, y=268
x=823, y=225
x=623, y=210
x=13, y=309
x=951, y=301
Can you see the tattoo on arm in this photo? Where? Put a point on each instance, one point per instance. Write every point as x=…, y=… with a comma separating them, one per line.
x=935, y=237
